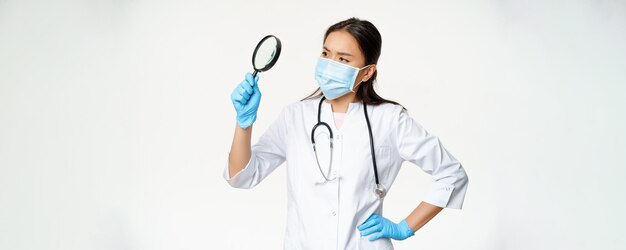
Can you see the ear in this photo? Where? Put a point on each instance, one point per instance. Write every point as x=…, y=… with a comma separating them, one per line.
x=369, y=72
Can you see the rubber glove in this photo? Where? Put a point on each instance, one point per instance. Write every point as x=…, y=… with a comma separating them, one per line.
x=385, y=228
x=246, y=98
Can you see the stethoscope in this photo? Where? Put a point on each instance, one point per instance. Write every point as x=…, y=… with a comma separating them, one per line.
x=380, y=190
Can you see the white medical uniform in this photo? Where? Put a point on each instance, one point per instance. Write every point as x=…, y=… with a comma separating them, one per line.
x=326, y=215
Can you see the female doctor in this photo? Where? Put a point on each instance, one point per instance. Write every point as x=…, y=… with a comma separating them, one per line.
x=335, y=202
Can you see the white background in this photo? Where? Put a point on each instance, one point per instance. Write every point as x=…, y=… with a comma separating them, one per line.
x=116, y=121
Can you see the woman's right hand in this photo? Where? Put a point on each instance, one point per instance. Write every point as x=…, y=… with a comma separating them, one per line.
x=246, y=98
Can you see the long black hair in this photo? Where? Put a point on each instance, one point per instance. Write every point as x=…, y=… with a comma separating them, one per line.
x=370, y=43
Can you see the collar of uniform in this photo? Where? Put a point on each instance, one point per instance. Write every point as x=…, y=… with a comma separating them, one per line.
x=351, y=106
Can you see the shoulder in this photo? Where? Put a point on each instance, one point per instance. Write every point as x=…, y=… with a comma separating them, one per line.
x=397, y=117
x=389, y=111
x=389, y=108
x=302, y=105
x=297, y=109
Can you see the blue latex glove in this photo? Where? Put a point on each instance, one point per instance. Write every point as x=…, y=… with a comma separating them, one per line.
x=246, y=98
x=385, y=228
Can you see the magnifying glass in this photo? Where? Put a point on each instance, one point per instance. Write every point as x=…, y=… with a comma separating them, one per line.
x=266, y=54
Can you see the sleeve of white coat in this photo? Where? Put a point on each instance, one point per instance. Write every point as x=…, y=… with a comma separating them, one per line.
x=416, y=145
x=267, y=154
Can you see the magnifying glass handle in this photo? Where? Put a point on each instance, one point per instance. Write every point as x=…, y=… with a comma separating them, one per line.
x=254, y=74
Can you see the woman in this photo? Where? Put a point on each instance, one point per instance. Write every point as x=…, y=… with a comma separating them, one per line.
x=336, y=202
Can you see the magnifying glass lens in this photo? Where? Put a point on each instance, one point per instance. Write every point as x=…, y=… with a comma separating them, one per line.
x=266, y=54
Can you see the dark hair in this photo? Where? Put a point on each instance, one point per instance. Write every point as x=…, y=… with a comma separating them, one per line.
x=370, y=43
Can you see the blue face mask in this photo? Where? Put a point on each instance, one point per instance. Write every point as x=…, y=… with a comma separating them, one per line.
x=335, y=79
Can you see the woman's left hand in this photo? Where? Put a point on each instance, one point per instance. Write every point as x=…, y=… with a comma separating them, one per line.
x=385, y=228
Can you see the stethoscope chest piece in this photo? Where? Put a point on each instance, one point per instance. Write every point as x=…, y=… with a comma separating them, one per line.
x=380, y=191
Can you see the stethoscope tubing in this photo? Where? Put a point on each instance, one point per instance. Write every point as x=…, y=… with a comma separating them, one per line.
x=369, y=129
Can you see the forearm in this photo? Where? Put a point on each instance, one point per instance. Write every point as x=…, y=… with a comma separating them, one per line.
x=421, y=215
x=240, y=150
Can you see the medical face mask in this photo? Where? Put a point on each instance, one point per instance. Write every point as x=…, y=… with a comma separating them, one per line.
x=335, y=79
